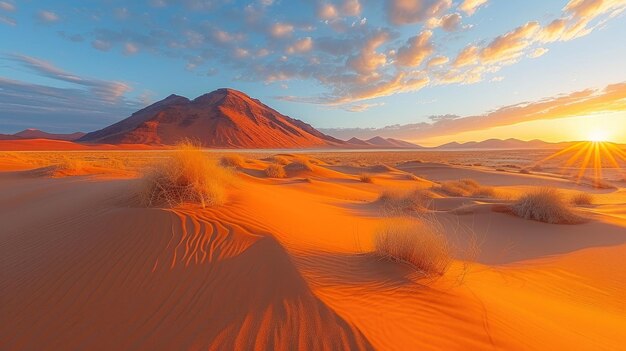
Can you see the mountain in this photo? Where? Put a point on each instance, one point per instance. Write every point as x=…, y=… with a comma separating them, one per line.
x=222, y=118
x=380, y=142
x=38, y=134
x=9, y=137
x=504, y=144
x=358, y=142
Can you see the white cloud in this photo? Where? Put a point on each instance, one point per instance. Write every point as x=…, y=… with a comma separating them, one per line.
x=48, y=16
x=7, y=6
x=538, y=52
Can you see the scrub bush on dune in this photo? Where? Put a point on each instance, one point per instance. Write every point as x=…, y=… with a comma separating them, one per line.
x=396, y=202
x=233, y=161
x=421, y=244
x=275, y=171
x=582, y=199
x=466, y=187
x=366, y=178
x=545, y=205
x=189, y=176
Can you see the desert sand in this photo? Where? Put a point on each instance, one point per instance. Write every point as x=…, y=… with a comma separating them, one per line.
x=287, y=263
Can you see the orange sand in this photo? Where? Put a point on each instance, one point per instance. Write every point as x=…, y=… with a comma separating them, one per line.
x=285, y=265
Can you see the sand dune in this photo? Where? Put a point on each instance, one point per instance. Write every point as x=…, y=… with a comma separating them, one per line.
x=286, y=264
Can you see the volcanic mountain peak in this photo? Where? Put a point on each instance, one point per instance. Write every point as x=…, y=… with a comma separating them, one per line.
x=221, y=118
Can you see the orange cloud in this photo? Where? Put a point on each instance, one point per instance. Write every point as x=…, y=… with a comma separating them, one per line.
x=470, y=6
x=416, y=50
x=581, y=103
x=510, y=45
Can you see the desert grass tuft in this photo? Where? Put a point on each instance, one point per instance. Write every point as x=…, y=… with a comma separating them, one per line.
x=545, y=205
x=397, y=202
x=366, y=178
x=421, y=244
x=278, y=159
x=275, y=171
x=466, y=188
x=582, y=199
x=233, y=161
x=189, y=176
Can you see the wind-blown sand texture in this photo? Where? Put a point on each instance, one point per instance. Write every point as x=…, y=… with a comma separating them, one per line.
x=286, y=263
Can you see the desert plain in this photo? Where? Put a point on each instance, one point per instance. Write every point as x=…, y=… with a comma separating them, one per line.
x=295, y=250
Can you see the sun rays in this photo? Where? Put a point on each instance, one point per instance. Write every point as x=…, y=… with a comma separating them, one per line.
x=588, y=160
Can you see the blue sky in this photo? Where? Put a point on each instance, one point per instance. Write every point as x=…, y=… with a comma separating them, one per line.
x=336, y=64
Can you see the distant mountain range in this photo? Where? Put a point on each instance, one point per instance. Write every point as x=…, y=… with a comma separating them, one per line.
x=227, y=118
x=380, y=142
x=38, y=134
x=495, y=144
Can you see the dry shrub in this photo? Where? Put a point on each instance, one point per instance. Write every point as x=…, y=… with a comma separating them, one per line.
x=582, y=199
x=366, y=178
x=524, y=171
x=301, y=165
x=63, y=167
x=421, y=244
x=70, y=165
x=281, y=160
x=275, y=171
x=545, y=205
x=466, y=187
x=189, y=176
x=396, y=202
x=233, y=161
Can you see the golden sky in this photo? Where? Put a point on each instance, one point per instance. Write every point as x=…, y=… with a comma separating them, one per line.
x=607, y=127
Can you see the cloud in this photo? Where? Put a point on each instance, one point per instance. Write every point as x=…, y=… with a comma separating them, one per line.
x=538, y=52
x=47, y=16
x=130, y=49
x=327, y=12
x=368, y=60
x=7, y=20
x=107, y=90
x=332, y=11
x=450, y=22
x=351, y=7
x=413, y=11
x=437, y=61
x=101, y=45
x=281, y=30
x=580, y=103
x=400, y=83
x=362, y=107
x=510, y=46
x=417, y=48
x=300, y=46
x=470, y=6
x=7, y=6
x=87, y=104
x=578, y=18
x=467, y=56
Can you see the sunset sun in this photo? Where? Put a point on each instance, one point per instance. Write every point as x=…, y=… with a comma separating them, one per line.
x=598, y=136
